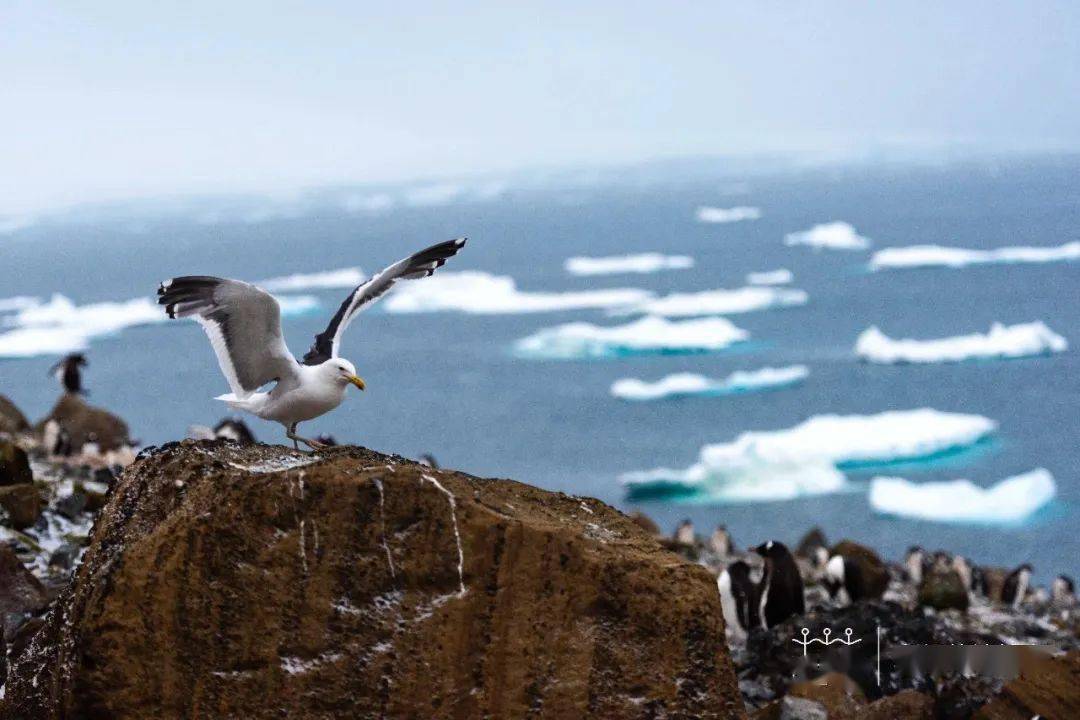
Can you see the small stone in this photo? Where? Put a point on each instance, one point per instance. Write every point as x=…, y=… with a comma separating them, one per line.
x=21, y=594
x=796, y=708
x=72, y=505
x=64, y=557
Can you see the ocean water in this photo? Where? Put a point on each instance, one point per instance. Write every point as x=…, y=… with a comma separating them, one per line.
x=449, y=384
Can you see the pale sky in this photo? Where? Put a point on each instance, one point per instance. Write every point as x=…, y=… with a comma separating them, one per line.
x=112, y=99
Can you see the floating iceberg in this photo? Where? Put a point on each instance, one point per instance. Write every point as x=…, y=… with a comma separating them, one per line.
x=343, y=278
x=645, y=336
x=834, y=236
x=1003, y=341
x=19, y=302
x=485, y=294
x=1010, y=501
x=783, y=276
x=641, y=263
x=690, y=384
x=727, y=215
x=60, y=326
x=718, y=302
x=748, y=483
x=917, y=256
x=821, y=447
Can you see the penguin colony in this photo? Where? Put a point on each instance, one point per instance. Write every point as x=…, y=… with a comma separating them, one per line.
x=769, y=584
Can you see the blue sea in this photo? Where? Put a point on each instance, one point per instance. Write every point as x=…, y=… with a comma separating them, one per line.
x=449, y=384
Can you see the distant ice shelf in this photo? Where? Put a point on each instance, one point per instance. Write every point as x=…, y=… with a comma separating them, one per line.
x=648, y=335
x=718, y=302
x=923, y=256
x=60, y=326
x=618, y=264
x=781, y=276
x=482, y=293
x=717, y=215
x=1010, y=501
x=1002, y=341
x=690, y=384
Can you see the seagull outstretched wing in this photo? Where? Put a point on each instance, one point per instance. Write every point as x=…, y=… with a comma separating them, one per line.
x=243, y=323
x=417, y=265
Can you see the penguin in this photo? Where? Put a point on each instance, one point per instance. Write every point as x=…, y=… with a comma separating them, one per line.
x=1063, y=592
x=67, y=372
x=964, y=569
x=234, y=429
x=738, y=600
x=684, y=534
x=844, y=580
x=1016, y=586
x=429, y=460
x=781, y=587
x=721, y=542
x=915, y=564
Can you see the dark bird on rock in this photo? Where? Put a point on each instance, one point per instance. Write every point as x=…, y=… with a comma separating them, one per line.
x=67, y=372
x=780, y=591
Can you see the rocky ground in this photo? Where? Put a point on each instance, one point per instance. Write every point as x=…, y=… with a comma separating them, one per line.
x=218, y=579
x=777, y=680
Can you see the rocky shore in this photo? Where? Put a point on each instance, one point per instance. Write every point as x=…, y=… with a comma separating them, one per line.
x=223, y=579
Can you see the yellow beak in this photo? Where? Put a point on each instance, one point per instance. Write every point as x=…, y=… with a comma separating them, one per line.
x=356, y=381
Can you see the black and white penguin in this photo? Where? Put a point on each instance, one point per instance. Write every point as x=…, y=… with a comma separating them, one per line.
x=67, y=372
x=738, y=600
x=965, y=570
x=844, y=580
x=234, y=429
x=1016, y=586
x=781, y=586
x=1063, y=592
x=684, y=534
x=915, y=564
x=721, y=542
x=429, y=460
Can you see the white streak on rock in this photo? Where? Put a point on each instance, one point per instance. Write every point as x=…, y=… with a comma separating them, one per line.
x=457, y=534
x=382, y=527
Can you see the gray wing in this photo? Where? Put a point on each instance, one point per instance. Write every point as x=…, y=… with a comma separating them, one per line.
x=417, y=265
x=243, y=323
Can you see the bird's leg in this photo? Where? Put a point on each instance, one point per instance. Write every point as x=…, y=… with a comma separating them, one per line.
x=291, y=434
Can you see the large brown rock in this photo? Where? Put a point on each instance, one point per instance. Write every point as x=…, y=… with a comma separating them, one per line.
x=22, y=505
x=12, y=421
x=943, y=589
x=904, y=705
x=14, y=464
x=85, y=423
x=1049, y=689
x=874, y=571
x=21, y=594
x=238, y=581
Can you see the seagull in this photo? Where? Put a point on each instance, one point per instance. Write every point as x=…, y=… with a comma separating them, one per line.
x=243, y=323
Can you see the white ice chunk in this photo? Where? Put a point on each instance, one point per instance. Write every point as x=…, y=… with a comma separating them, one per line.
x=1003, y=341
x=615, y=264
x=822, y=446
x=782, y=276
x=647, y=335
x=833, y=236
x=343, y=278
x=688, y=384
x=485, y=294
x=1011, y=500
x=60, y=326
x=719, y=302
x=917, y=256
x=707, y=214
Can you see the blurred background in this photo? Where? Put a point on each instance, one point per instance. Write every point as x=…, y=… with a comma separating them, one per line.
x=700, y=149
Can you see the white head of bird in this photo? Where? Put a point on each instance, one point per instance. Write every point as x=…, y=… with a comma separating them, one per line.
x=341, y=372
